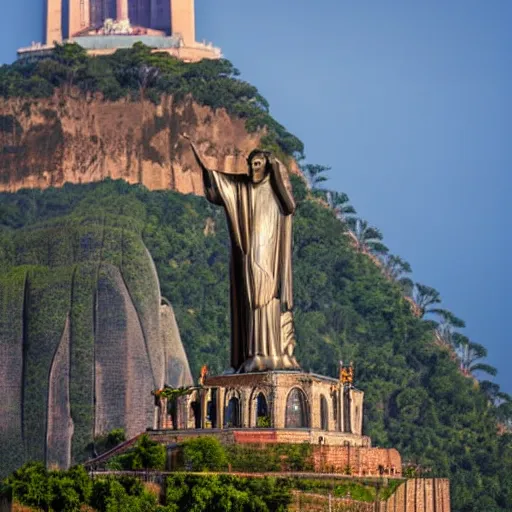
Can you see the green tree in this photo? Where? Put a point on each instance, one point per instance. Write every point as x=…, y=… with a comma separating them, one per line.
x=339, y=202
x=204, y=454
x=368, y=237
x=73, y=59
x=469, y=353
x=148, y=454
x=397, y=269
x=426, y=297
x=315, y=174
x=30, y=485
x=65, y=497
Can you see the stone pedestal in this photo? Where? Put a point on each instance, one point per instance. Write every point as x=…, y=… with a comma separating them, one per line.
x=283, y=401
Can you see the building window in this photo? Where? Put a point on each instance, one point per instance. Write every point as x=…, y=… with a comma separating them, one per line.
x=296, y=410
x=232, y=416
x=324, y=413
x=211, y=410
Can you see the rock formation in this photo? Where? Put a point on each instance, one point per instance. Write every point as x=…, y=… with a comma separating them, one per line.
x=85, y=337
x=51, y=141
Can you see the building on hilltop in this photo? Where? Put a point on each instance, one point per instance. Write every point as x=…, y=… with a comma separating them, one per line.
x=104, y=26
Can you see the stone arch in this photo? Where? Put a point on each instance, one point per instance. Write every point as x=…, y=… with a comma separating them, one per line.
x=324, y=413
x=260, y=409
x=211, y=408
x=232, y=409
x=297, y=409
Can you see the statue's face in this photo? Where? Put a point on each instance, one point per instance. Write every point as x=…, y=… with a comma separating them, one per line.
x=258, y=167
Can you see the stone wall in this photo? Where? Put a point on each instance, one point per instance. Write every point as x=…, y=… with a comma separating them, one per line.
x=420, y=495
x=361, y=461
x=263, y=436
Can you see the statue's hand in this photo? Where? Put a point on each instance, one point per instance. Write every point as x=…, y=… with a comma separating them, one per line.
x=274, y=165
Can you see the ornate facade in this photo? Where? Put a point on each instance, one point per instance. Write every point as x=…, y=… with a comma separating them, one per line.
x=276, y=406
x=103, y=26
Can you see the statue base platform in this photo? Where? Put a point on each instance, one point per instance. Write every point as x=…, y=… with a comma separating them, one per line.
x=274, y=406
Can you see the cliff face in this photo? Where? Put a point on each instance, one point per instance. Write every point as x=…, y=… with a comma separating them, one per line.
x=52, y=141
x=85, y=337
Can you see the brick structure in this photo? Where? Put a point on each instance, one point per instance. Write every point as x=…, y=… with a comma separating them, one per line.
x=362, y=461
x=339, y=454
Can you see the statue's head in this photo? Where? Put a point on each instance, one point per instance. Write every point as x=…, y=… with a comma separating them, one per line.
x=259, y=164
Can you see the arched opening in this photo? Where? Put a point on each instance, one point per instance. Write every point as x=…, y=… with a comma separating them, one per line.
x=262, y=415
x=296, y=410
x=324, y=414
x=195, y=412
x=232, y=416
x=211, y=410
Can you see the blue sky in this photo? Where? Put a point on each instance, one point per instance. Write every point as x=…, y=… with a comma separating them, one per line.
x=410, y=104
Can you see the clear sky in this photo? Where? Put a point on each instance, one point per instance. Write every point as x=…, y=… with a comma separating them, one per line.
x=410, y=103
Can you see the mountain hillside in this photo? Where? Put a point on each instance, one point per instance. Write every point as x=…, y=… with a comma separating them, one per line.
x=417, y=400
x=75, y=119
x=352, y=296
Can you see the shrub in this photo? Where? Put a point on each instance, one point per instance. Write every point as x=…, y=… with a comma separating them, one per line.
x=263, y=422
x=204, y=454
x=106, y=442
x=147, y=454
x=218, y=493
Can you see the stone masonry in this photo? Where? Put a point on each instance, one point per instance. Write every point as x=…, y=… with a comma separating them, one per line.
x=279, y=400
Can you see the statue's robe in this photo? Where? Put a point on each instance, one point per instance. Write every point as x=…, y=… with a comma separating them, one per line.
x=260, y=224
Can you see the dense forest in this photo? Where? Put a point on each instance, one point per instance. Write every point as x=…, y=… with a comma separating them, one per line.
x=354, y=299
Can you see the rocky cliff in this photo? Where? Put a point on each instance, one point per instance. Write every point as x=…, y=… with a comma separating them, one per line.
x=85, y=337
x=49, y=142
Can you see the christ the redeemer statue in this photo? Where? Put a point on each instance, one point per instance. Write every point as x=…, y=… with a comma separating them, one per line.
x=259, y=208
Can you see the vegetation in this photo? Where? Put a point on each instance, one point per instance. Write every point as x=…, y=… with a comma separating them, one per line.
x=138, y=74
x=417, y=399
x=208, y=454
x=218, y=493
x=108, y=441
x=146, y=454
x=204, y=454
x=69, y=491
x=73, y=491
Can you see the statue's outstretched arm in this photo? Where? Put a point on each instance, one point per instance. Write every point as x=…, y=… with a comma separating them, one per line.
x=282, y=192
x=210, y=188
